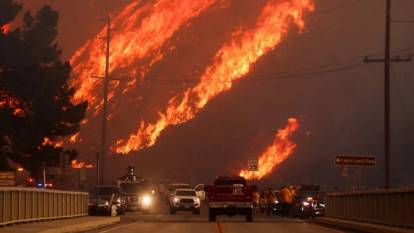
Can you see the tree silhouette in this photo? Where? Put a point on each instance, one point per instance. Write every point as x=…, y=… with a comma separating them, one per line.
x=35, y=98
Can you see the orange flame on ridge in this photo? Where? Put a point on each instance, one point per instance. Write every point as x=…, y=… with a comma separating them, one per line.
x=145, y=30
x=232, y=62
x=276, y=153
x=80, y=164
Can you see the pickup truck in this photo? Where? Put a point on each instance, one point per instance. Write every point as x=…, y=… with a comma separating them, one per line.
x=230, y=196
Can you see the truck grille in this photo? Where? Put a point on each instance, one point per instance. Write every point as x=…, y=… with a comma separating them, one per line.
x=187, y=201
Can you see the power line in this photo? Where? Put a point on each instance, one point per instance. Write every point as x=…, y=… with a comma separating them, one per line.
x=306, y=71
x=267, y=77
x=402, y=21
x=339, y=7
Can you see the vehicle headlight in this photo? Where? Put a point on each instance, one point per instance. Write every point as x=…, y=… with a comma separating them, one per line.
x=146, y=200
x=118, y=200
x=309, y=198
x=176, y=199
x=305, y=203
x=276, y=202
x=323, y=205
x=197, y=200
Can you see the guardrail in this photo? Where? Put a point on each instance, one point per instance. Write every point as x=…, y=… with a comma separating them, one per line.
x=387, y=207
x=30, y=204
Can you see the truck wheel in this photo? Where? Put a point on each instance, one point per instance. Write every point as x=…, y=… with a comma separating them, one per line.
x=196, y=211
x=211, y=215
x=249, y=216
x=172, y=210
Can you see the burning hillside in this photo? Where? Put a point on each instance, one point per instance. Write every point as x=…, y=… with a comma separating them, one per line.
x=142, y=31
x=231, y=63
x=276, y=153
x=144, y=37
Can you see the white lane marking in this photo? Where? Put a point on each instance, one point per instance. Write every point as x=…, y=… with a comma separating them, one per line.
x=117, y=227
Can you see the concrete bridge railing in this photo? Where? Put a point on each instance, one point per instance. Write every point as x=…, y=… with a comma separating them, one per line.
x=30, y=204
x=387, y=207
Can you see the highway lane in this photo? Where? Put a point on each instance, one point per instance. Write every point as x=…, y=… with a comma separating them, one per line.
x=160, y=221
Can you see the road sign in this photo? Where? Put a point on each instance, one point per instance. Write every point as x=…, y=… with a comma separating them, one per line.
x=355, y=160
x=7, y=178
x=253, y=164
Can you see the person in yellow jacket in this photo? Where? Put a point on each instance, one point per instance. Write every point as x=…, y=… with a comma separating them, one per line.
x=256, y=200
x=286, y=200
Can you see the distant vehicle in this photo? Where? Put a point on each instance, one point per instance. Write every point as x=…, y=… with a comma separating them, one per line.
x=138, y=196
x=230, y=196
x=138, y=192
x=275, y=208
x=305, y=202
x=199, y=189
x=169, y=194
x=320, y=204
x=185, y=200
x=102, y=199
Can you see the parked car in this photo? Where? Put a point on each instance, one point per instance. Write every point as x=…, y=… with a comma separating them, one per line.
x=103, y=199
x=230, y=196
x=185, y=200
x=169, y=193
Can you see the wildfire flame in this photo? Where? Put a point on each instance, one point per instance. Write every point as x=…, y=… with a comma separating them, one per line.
x=49, y=142
x=80, y=164
x=276, y=153
x=5, y=29
x=143, y=31
x=231, y=63
x=74, y=138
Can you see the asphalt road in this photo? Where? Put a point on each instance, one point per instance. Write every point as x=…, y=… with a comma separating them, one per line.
x=160, y=221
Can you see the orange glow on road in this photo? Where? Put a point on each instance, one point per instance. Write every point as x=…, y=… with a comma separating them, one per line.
x=231, y=63
x=276, y=153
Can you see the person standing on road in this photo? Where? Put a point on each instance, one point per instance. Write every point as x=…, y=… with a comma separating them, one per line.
x=286, y=199
x=263, y=202
x=271, y=199
x=256, y=200
x=161, y=190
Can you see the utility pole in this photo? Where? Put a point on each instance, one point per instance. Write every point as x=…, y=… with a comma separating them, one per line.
x=387, y=91
x=103, y=150
x=106, y=78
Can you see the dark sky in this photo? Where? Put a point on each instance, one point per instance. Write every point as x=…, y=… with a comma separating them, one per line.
x=342, y=109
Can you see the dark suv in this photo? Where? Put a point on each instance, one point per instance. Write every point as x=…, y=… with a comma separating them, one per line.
x=138, y=196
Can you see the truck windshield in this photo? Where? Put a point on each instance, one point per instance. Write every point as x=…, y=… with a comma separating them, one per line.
x=185, y=193
x=134, y=188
